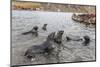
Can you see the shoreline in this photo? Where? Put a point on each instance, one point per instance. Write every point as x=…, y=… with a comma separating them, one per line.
x=38, y=6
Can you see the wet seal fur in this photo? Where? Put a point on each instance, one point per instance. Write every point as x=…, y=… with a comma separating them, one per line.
x=86, y=40
x=58, y=37
x=34, y=31
x=44, y=48
x=73, y=39
x=44, y=27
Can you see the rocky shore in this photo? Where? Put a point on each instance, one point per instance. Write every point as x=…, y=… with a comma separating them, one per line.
x=42, y=6
x=85, y=18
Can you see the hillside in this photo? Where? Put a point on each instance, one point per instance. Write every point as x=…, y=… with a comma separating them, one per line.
x=19, y=5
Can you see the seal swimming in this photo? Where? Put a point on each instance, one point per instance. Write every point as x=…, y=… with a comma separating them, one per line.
x=73, y=38
x=44, y=27
x=34, y=31
x=86, y=40
x=44, y=48
x=58, y=37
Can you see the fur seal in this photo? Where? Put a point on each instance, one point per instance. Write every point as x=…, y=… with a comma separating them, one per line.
x=58, y=37
x=34, y=31
x=86, y=40
x=45, y=47
x=44, y=27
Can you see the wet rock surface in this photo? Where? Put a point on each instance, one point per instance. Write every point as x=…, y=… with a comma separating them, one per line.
x=85, y=18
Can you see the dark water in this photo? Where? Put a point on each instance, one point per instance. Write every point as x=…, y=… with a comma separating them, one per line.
x=23, y=21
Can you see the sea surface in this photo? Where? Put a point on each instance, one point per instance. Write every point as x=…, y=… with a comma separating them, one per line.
x=25, y=20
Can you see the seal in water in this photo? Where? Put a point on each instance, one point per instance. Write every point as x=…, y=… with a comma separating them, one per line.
x=73, y=38
x=86, y=40
x=44, y=27
x=58, y=37
x=33, y=31
x=44, y=48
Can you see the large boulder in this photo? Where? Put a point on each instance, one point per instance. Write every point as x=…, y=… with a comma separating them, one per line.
x=85, y=18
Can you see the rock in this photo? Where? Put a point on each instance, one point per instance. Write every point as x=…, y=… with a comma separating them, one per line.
x=84, y=18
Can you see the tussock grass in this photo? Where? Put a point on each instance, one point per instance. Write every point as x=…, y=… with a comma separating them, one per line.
x=26, y=5
x=52, y=7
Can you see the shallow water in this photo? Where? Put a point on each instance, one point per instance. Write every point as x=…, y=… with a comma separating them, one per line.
x=23, y=21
